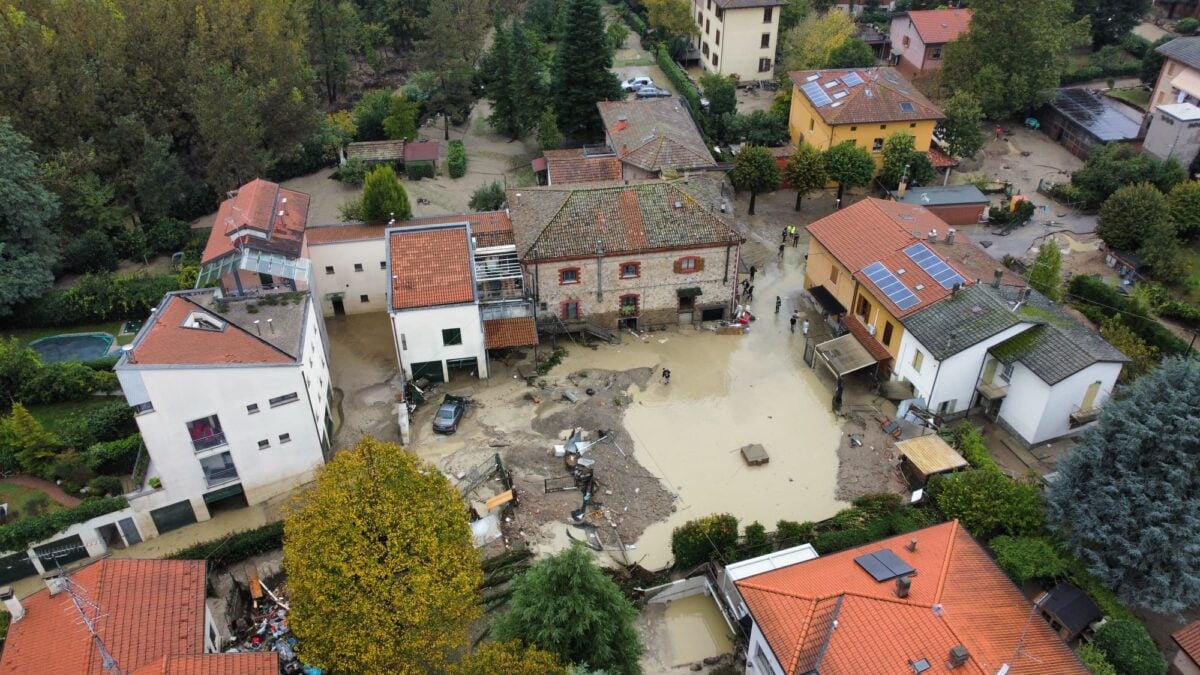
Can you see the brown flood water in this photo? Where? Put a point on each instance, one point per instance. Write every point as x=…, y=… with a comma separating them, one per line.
x=696, y=630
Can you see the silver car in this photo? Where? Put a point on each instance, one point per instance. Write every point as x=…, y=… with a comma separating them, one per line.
x=652, y=92
x=635, y=83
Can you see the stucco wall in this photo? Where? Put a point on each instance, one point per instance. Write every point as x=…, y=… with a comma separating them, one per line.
x=1067, y=396
x=879, y=317
x=956, y=377
x=818, y=271
x=912, y=55
x=1163, y=91
x=805, y=125
x=760, y=659
x=342, y=256
x=418, y=333
x=738, y=48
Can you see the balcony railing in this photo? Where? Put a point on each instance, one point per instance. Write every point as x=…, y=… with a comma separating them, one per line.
x=220, y=476
x=208, y=442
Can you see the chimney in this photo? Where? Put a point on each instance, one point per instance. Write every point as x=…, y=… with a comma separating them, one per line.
x=996, y=277
x=901, y=189
x=12, y=603
x=950, y=236
x=959, y=656
x=903, y=583
x=933, y=236
x=911, y=545
x=56, y=581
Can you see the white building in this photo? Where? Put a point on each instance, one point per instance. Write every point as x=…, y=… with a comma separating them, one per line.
x=349, y=267
x=1012, y=354
x=738, y=37
x=232, y=401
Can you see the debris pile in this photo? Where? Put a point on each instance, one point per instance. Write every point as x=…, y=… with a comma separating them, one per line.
x=267, y=628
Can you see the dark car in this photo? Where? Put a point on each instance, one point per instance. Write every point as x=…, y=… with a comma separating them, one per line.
x=449, y=414
x=652, y=92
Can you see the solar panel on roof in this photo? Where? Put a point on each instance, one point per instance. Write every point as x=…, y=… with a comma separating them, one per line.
x=890, y=286
x=893, y=562
x=907, y=107
x=816, y=94
x=814, y=76
x=883, y=565
x=933, y=265
x=852, y=79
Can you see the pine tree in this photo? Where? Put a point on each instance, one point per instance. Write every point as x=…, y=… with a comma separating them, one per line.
x=582, y=74
x=1128, y=498
x=805, y=170
x=1046, y=274
x=514, y=82
x=755, y=170
x=565, y=604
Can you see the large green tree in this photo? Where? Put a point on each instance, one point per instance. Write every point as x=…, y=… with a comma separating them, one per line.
x=382, y=573
x=961, y=126
x=1014, y=54
x=755, y=170
x=18, y=365
x=1125, y=215
x=454, y=34
x=335, y=36
x=514, y=82
x=849, y=166
x=853, y=53
x=1111, y=20
x=27, y=248
x=811, y=44
x=1128, y=500
x=566, y=605
x=384, y=198
x=582, y=74
x=510, y=658
x=902, y=161
x=1112, y=166
x=1184, y=202
x=672, y=18
x=805, y=170
x=1046, y=274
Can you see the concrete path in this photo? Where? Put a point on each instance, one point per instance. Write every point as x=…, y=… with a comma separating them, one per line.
x=50, y=489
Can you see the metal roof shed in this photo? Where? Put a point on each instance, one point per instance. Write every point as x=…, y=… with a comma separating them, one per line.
x=845, y=354
x=927, y=456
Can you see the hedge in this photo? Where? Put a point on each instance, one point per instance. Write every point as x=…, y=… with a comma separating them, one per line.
x=709, y=538
x=66, y=381
x=456, y=159
x=1092, y=72
x=1129, y=648
x=968, y=438
x=114, y=458
x=95, y=298
x=677, y=77
x=1026, y=558
x=234, y=547
x=989, y=503
x=418, y=170
x=20, y=535
x=1098, y=301
x=634, y=20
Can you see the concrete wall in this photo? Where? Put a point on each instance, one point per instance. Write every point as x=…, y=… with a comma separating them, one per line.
x=418, y=336
x=806, y=126
x=1169, y=136
x=734, y=39
x=372, y=281
x=601, y=287
x=966, y=214
x=956, y=377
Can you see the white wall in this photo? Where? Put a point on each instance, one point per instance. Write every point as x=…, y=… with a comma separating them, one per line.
x=342, y=257
x=758, y=645
x=1066, y=397
x=958, y=374
x=1025, y=403
x=418, y=336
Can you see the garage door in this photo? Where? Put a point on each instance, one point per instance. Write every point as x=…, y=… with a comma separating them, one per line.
x=430, y=370
x=61, y=552
x=173, y=517
x=16, y=566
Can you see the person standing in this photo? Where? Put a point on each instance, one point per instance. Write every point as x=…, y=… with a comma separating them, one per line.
x=786, y=232
x=750, y=293
x=778, y=303
x=804, y=328
x=795, y=318
x=666, y=375
x=795, y=237
x=781, y=251
x=753, y=271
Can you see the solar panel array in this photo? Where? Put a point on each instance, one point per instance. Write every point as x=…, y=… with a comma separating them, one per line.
x=852, y=79
x=934, y=266
x=883, y=565
x=816, y=94
x=892, y=287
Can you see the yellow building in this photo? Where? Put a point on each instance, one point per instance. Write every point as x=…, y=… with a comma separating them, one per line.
x=738, y=37
x=864, y=105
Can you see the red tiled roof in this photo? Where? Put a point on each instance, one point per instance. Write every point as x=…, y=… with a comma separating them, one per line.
x=430, y=267
x=421, y=151
x=938, y=26
x=168, y=341
x=256, y=206
x=874, y=346
x=939, y=159
x=655, y=134
x=516, y=332
x=572, y=166
x=883, y=96
x=335, y=234
x=974, y=262
x=213, y=664
x=1188, y=638
x=877, y=632
x=492, y=226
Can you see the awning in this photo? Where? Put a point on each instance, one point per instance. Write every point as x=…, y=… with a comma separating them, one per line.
x=930, y=455
x=513, y=332
x=829, y=304
x=689, y=292
x=538, y=164
x=845, y=355
x=1188, y=82
x=991, y=391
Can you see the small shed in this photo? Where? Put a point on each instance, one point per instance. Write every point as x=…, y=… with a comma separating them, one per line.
x=420, y=153
x=375, y=152
x=955, y=204
x=1079, y=118
x=1069, y=610
x=926, y=456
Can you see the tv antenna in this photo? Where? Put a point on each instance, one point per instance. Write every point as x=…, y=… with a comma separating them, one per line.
x=89, y=613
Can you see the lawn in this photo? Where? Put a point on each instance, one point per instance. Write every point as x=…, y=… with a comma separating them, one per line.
x=1190, y=289
x=56, y=416
x=27, y=335
x=18, y=497
x=1137, y=96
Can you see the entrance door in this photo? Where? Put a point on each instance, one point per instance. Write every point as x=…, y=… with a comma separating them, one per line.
x=686, y=309
x=339, y=307
x=16, y=566
x=129, y=529
x=430, y=370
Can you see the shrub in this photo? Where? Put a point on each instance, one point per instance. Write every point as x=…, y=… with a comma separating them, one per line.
x=235, y=547
x=108, y=422
x=71, y=471
x=353, y=172
x=704, y=539
x=1135, y=44
x=1129, y=648
x=789, y=533
x=105, y=486
x=969, y=440
x=104, y=363
x=1093, y=658
x=168, y=235
x=456, y=159
x=419, y=170
x=66, y=381
x=832, y=542
x=879, y=505
x=988, y=503
x=19, y=535
x=1097, y=301
x=488, y=197
x=1027, y=558
x=95, y=298
x=155, y=482
x=758, y=542
x=37, y=504
x=114, y=457
x=1187, y=26
x=90, y=252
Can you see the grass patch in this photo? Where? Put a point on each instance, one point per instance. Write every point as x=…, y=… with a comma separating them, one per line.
x=18, y=497
x=1190, y=288
x=522, y=177
x=58, y=416
x=641, y=61
x=27, y=335
x=1137, y=96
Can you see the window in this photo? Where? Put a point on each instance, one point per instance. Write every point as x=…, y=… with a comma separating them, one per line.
x=707, y=26
x=570, y=310
x=569, y=275
x=451, y=336
x=629, y=305
x=853, y=128
x=403, y=342
x=329, y=269
x=882, y=126
x=834, y=274
x=947, y=407
x=1007, y=372
x=285, y=438
x=284, y=400
x=768, y=14
x=358, y=267
x=715, y=60
x=383, y=264
x=718, y=38
x=765, y=42
x=918, y=359
x=905, y=41
x=699, y=18
x=720, y=14
x=631, y=270
x=709, y=5
x=264, y=444
x=863, y=308
x=764, y=65
x=253, y=407
x=812, y=123
x=689, y=264
x=887, y=333
x=937, y=53
x=704, y=49
x=364, y=298
x=877, y=145
x=142, y=408
x=912, y=125
x=206, y=433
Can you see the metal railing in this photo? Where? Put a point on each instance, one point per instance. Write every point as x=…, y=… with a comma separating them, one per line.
x=226, y=475
x=208, y=442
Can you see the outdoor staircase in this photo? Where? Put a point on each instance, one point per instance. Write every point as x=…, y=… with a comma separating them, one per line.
x=557, y=326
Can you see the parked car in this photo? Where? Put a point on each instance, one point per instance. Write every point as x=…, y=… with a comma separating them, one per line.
x=449, y=414
x=652, y=92
x=635, y=83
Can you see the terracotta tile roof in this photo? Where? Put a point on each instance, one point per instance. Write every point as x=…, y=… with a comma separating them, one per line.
x=516, y=332
x=571, y=166
x=974, y=262
x=939, y=26
x=552, y=222
x=939, y=159
x=492, y=227
x=167, y=338
x=877, y=632
x=883, y=96
x=336, y=234
x=430, y=267
x=256, y=208
x=148, y=609
x=874, y=230
x=655, y=134
x=1188, y=639
x=213, y=664
x=421, y=151
x=376, y=151
x=872, y=344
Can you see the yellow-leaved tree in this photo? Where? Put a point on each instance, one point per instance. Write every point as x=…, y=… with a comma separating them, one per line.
x=380, y=566
x=809, y=45
x=510, y=658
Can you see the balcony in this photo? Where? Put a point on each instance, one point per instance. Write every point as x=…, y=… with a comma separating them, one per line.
x=208, y=442
x=220, y=476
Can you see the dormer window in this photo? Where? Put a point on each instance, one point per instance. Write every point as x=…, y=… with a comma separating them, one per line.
x=202, y=321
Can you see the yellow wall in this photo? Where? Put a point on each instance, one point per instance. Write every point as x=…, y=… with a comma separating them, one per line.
x=739, y=49
x=818, y=271
x=878, y=315
x=805, y=124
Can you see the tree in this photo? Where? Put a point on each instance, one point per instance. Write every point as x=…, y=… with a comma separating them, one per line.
x=1111, y=20
x=510, y=658
x=401, y=122
x=672, y=18
x=564, y=604
x=617, y=34
x=1125, y=214
x=853, y=53
x=389, y=585
x=233, y=140
x=1129, y=648
x=792, y=13
x=1028, y=558
x=514, y=82
x=334, y=33
x=989, y=503
x=1152, y=61
x=1142, y=357
x=454, y=34
x=849, y=166
x=384, y=198
x=721, y=92
x=582, y=74
x=488, y=197
x=805, y=170
x=811, y=44
x=1127, y=502
x=18, y=365
x=960, y=128
x=1014, y=53
x=902, y=161
x=1160, y=249
x=755, y=170
x=34, y=447
x=548, y=135
x=543, y=17
x=1046, y=274
x=1184, y=204
x=26, y=245
x=1111, y=166
x=760, y=127
x=369, y=114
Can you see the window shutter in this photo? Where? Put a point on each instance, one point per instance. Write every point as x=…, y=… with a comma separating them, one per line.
x=678, y=266
x=699, y=264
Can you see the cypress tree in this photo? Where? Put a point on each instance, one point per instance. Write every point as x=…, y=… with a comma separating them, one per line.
x=581, y=72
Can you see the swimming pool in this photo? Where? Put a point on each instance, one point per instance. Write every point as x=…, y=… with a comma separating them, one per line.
x=73, y=347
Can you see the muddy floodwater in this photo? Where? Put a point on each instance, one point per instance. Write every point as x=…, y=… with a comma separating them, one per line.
x=696, y=630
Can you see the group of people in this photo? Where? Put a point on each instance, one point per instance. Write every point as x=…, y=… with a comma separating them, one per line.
x=789, y=232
